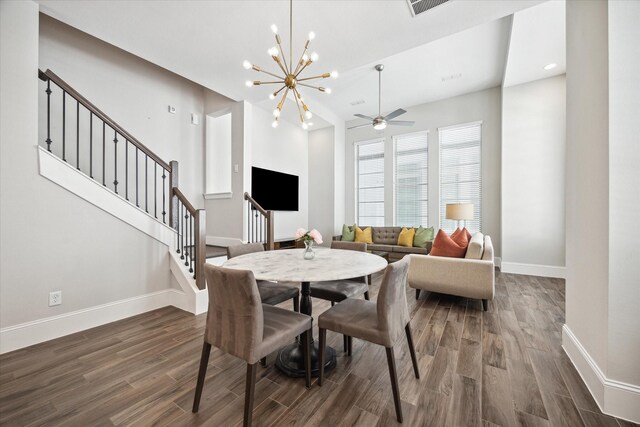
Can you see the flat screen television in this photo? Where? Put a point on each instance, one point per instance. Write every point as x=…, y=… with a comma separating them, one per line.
x=274, y=191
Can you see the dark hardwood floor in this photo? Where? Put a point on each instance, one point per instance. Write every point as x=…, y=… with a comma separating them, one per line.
x=501, y=367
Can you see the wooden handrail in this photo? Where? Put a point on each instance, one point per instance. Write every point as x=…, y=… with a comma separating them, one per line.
x=50, y=75
x=183, y=199
x=255, y=204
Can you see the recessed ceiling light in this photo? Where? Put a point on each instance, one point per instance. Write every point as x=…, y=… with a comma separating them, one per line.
x=550, y=66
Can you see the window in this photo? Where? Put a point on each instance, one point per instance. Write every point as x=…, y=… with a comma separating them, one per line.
x=370, y=182
x=411, y=176
x=460, y=172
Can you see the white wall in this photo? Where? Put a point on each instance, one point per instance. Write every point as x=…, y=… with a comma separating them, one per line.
x=322, y=173
x=283, y=149
x=51, y=239
x=533, y=169
x=483, y=105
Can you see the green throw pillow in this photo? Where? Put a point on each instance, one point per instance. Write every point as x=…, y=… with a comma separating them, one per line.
x=348, y=233
x=423, y=235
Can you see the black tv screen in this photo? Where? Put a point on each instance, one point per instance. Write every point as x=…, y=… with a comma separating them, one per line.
x=274, y=191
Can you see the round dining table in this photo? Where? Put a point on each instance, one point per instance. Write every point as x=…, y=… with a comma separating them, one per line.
x=288, y=265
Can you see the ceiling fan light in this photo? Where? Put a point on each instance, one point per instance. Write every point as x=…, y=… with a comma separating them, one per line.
x=380, y=126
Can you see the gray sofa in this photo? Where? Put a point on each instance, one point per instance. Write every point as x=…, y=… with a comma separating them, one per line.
x=385, y=239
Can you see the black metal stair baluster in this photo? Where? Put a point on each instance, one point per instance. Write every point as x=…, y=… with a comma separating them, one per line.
x=64, y=124
x=189, y=241
x=104, y=155
x=177, y=229
x=191, y=245
x=187, y=250
x=77, y=134
x=91, y=144
x=195, y=249
x=115, y=160
x=48, y=91
x=126, y=168
x=137, y=204
x=164, y=190
x=146, y=183
x=155, y=189
x=248, y=222
x=182, y=238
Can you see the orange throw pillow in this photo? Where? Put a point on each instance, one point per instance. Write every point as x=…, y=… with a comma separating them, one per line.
x=455, y=235
x=443, y=245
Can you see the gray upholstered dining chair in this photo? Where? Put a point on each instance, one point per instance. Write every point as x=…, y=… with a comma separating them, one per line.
x=270, y=292
x=240, y=324
x=339, y=290
x=378, y=322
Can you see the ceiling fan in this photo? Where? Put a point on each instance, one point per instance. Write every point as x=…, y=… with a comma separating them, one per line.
x=380, y=122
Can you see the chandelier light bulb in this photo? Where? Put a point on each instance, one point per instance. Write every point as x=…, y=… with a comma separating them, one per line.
x=305, y=126
x=308, y=114
x=314, y=56
x=327, y=90
x=272, y=96
x=246, y=64
x=276, y=113
x=312, y=35
x=273, y=51
x=310, y=124
x=334, y=74
x=305, y=57
x=274, y=124
x=248, y=83
x=274, y=28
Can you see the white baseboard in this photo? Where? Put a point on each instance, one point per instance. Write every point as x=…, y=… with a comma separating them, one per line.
x=41, y=330
x=533, y=269
x=223, y=241
x=614, y=398
x=71, y=179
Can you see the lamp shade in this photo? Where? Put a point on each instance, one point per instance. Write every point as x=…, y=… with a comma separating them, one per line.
x=460, y=211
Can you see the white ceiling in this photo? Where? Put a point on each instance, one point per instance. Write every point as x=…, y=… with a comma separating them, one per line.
x=206, y=41
x=537, y=39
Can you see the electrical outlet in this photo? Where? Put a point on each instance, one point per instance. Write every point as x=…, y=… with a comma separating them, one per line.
x=55, y=298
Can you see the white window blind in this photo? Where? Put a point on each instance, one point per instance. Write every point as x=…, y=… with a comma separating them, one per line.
x=370, y=182
x=460, y=172
x=411, y=176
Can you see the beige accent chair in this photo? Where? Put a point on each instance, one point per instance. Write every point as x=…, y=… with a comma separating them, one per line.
x=239, y=324
x=339, y=290
x=470, y=277
x=380, y=322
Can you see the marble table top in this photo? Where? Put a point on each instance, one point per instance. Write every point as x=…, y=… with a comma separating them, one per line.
x=288, y=265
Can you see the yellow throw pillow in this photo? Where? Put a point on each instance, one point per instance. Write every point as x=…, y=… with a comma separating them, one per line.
x=363, y=236
x=406, y=237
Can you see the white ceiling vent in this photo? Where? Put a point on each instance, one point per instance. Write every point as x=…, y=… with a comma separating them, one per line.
x=420, y=6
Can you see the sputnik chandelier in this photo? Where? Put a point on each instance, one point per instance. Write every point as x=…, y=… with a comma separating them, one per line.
x=291, y=81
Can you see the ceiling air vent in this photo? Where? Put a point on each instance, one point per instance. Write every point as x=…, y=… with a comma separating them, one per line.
x=420, y=6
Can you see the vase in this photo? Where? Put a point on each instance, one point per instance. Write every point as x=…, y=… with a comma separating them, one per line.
x=308, y=250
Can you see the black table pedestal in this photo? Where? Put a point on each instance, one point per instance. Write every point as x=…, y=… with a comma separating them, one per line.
x=290, y=360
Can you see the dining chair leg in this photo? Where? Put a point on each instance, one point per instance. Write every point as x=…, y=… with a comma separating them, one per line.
x=263, y=362
x=296, y=304
x=332, y=303
x=202, y=372
x=306, y=346
x=345, y=343
x=417, y=294
x=485, y=304
x=394, y=382
x=249, y=393
x=412, y=350
x=349, y=345
x=321, y=345
x=366, y=295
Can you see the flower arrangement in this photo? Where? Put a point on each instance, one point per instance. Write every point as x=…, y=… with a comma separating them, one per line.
x=309, y=236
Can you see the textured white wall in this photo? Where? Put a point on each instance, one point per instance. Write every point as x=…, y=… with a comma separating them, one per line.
x=322, y=175
x=483, y=105
x=51, y=239
x=533, y=169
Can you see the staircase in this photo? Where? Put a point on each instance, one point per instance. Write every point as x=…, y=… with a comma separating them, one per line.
x=85, y=138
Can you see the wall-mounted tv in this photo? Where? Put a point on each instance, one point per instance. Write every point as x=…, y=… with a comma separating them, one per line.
x=274, y=191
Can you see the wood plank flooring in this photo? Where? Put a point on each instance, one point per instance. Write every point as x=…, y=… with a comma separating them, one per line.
x=502, y=367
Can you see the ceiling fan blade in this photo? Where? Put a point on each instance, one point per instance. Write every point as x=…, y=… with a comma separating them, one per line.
x=362, y=116
x=394, y=114
x=401, y=123
x=360, y=126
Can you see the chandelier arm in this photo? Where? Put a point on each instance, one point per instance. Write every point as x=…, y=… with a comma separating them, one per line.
x=286, y=67
x=269, y=73
x=259, y=83
x=298, y=105
x=306, y=64
x=300, y=62
x=275, y=58
x=312, y=87
x=281, y=103
x=291, y=32
x=321, y=76
x=278, y=91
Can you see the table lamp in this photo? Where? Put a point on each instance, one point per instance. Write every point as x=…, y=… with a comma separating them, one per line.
x=460, y=212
